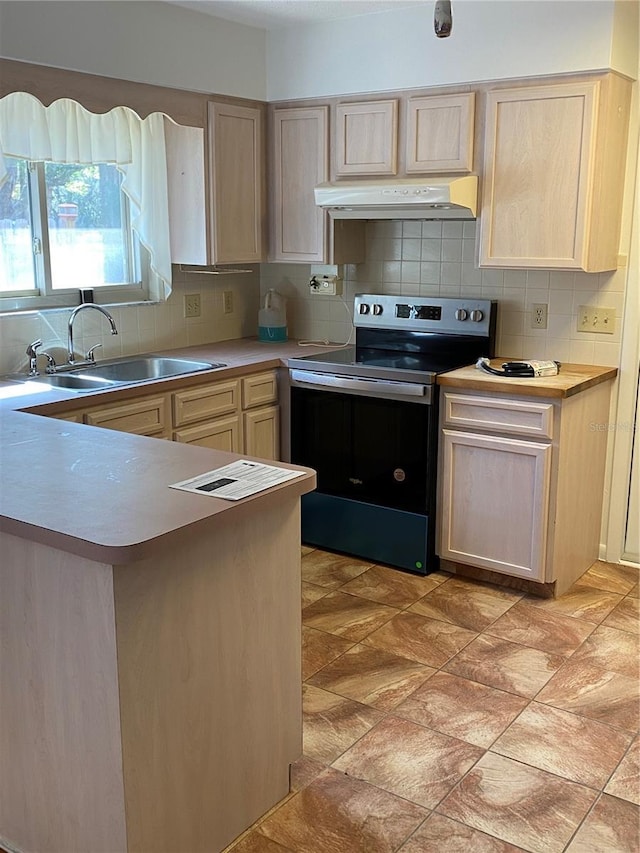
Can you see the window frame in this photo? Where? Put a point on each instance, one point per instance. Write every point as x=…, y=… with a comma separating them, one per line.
x=45, y=296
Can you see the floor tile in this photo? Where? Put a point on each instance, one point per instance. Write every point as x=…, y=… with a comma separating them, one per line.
x=507, y=666
x=518, y=804
x=625, y=782
x=311, y=592
x=254, y=842
x=610, y=577
x=331, y=724
x=389, y=586
x=634, y=592
x=428, y=641
x=409, y=760
x=306, y=549
x=540, y=629
x=319, y=649
x=595, y=693
x=592, y=605
x=304, y=771
x=625, y=616
x=617, y=651
x=331, y=570
x=346, y=615
x=372, y=676
x=481, y=713
x=466, y=603
x=611, y=827
x=439, y=834
x=566, y=744
x=336, y=814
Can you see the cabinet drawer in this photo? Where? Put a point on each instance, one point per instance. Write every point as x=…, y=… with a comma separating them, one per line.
x=499, y=414
x=142, y=417
x=198, y=404
x=259, y=390
x=221, y=434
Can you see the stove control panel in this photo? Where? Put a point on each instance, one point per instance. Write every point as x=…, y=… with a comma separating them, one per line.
x=442, y=314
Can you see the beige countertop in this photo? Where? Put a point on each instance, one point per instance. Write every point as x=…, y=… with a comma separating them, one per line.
x=572, y=379
x=104, y=494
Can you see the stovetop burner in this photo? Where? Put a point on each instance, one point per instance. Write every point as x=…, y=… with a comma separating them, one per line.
x=410, y=339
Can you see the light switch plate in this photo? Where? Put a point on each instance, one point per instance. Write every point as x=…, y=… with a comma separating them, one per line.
x=602, y=321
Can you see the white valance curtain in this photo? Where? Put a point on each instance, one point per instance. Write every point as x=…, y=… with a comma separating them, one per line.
x=65, y=132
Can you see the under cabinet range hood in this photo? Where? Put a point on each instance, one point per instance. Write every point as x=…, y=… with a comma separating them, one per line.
x=402, y=198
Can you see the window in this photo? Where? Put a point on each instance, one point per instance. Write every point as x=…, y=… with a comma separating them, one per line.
x=65, y=227
x=68, y=223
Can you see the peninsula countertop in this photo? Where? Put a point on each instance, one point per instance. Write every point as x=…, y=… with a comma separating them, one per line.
x=104, y=494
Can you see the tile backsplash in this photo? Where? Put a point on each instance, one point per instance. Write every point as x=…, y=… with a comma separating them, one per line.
x=141, y=327
x=430, y=258
x=411, y=258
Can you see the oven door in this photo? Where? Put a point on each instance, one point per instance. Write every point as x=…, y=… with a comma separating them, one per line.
x=372, y=444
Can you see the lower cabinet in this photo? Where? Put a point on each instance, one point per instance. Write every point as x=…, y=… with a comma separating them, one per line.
x=521, y=483
x=235, y=415
x=146, y=416
x=495, y=502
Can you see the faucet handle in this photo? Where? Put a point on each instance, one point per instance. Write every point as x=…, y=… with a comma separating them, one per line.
x=33, y=346
x=90, y=356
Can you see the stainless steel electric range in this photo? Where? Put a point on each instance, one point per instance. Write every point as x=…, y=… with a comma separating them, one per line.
x=366, y=419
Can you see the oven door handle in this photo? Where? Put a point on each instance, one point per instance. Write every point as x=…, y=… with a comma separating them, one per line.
x=347, y=383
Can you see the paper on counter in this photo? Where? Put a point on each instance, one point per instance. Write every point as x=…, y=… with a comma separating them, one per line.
x=237, y=480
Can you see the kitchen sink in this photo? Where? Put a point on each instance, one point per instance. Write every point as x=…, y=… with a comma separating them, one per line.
x=116, y=372
x=141, y=368
x=74, y=382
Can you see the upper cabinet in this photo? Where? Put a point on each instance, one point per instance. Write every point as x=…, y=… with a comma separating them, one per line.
x=439, y=133
x=235, y=183
x=366, y=138
x=300, y=161
x=300, y=231
x=216, y=195
x=554, y=175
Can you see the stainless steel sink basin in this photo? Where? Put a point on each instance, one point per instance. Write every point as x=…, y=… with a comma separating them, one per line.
x=118, y=371
x=141, y=368
x=74, y=382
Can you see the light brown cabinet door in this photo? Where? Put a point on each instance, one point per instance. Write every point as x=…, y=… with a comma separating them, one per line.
x=259, y=389
x=301, y=161
x=146, y=416
x=366, y=138
x=553, y=175
x=262, y=432
x=440, y=133
x=205, y=402
x=236, y=157
x=495, y=502
x=221, y=434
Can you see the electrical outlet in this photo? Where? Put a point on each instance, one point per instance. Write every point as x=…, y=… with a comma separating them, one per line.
x=192, y=306
x=329, y=285
x=227, y=302
x=599, y=320
x=539, y=315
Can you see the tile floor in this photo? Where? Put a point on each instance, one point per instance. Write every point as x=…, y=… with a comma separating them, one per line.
x=446, y=715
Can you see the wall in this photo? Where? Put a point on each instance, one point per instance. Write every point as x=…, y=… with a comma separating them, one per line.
x=491, y=39
x=147, y=42
x=143, y=327
x=416, y=258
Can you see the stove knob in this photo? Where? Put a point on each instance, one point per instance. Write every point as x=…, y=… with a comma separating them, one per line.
x=364, y=308
x=377, y=310
x=461, y=314
x=477, y=316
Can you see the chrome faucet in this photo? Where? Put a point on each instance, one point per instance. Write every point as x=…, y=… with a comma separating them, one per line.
x=71, y=359
x=32, y=352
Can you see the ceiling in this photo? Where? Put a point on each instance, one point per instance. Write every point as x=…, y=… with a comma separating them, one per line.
x=276, y=14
